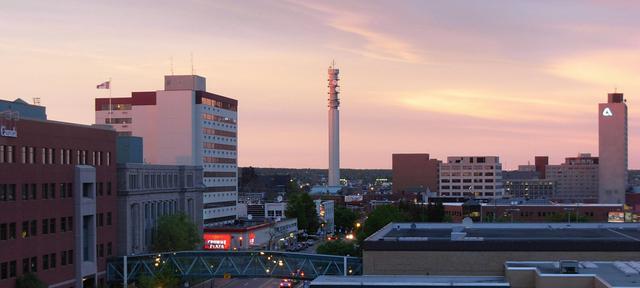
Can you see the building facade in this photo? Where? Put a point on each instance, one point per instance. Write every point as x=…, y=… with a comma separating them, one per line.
x=147, y=192
x=325, y=211
x=529, y=188
x=251, y=235
x=612, y=135
x=472, y=177
x=576, y=179
x=414, y=173
x=185, y=125
x=57, y=202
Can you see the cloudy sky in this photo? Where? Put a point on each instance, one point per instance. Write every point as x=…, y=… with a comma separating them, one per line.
x=509, y=78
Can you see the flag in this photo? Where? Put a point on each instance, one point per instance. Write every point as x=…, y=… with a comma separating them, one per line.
x=104, y=85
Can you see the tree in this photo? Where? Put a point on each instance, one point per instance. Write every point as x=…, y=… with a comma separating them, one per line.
x=380, y=217
x=338, y=247
x=344, y=218
x=164, y=277
x=301, y=206
x=175, y=233
x=29, y=280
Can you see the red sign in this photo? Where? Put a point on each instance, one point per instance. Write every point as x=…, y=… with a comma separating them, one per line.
x=252, y=238
x=217, y=241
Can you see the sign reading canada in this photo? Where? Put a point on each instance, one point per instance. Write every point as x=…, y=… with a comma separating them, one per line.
x=6, y=132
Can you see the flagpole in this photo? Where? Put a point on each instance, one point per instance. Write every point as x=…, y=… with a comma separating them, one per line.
x=110, y=107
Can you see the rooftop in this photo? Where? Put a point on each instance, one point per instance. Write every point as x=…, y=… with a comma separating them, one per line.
x=409, y=281
x=506, y=237
x=616, y=274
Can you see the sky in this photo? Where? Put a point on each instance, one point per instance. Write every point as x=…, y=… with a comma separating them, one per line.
x=514, y=79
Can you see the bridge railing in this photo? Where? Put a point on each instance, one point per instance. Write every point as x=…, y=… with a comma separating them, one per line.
x=211, y=264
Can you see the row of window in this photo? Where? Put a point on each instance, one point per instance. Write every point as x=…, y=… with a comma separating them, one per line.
x=219, y=104
x=446, y=187
x=48, y=191
x=216, y=132
x=110, y=120
x=209, y=145
x=106, y=107
x=467, y=167
x=476, y=174
x=211, y=117
x=466, y=180
x=209, y=159
x=30, y=228
x=161, y=180
x=33, y=155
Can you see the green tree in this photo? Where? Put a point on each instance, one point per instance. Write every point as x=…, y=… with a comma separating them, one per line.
x=164, y=277
x=380, y=217
x=29, y=280
x=338, y=247
x=344, y=218
x=301, y=206
x=175, y=233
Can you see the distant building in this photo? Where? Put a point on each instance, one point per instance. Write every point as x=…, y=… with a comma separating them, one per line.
x=275, y=210
x=532, y=211
x=529, y=188
x=325, y=210
x=541, y=163
x=24, y=109
x=576, y=179
x=612, y=135
x=147, y=192
x=472, y=177
x=184, y=125
x=251, y=235
x=414, y=173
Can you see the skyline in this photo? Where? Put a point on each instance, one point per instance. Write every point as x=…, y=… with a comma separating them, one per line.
x=514, y=83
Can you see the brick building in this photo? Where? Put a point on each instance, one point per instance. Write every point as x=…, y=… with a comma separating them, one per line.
x=57, y=202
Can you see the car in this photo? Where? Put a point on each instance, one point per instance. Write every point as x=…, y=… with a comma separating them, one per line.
x=310, y=242
x=286, y=283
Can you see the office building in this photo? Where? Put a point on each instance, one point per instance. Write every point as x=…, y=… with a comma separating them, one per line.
x=529, y=188
x=274, y=235
x=612, y=135
x=325, y=211
x=576, y=179
x=57, y=201
x=184, y=125
x=541, y=163
x=472, y=177
x=147, y=192
x=414, y=173
x=24, y=109
x=481, y=249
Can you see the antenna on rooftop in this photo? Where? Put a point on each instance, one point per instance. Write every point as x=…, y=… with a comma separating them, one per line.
x=192, y=70
x=171, y=59
x=36, y=101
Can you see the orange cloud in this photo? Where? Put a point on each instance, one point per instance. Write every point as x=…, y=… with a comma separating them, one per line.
x=613, y=68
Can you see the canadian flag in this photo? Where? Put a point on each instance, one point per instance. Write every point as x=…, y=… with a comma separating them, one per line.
x=104, y=85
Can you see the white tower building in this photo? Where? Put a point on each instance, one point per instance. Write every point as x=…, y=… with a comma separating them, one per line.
x=334, y=127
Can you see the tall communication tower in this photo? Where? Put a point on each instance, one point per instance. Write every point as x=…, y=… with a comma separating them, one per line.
x=334, y=126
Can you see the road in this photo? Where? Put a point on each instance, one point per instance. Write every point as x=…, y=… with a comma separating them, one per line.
x=246, y=283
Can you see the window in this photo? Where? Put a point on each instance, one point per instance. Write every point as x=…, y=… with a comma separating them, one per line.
x=52, y=260
x=24, y=154
x=70, y=223
x=100, y=250
x=108, y=159
x=63, y=258
x=4, y=231
x=109, y=249
x=100, y=188
x=12, y=269
x=4, y=270
x=34, y=264
x=63, y=224
x=52, y=225
x=109, y=218
x=45, y=262
x=12, y=231
x=100, y=220
x=108, y=188
x=34, y=191
x=87, y=190
x=25, y=192
x=45, y=226
x=45, y=191
x=52, y=190
x=25, y=265
x=34, y=228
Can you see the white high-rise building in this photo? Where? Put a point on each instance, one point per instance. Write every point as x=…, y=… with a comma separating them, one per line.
x=184, y=125
x=472, y=177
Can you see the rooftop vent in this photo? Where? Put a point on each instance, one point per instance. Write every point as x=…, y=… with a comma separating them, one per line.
x=569, y=266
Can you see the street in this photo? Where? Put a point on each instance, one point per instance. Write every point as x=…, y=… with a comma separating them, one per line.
x=243, y=283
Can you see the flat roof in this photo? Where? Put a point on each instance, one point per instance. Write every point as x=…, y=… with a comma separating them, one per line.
x=506, y=237
x=380, y=281
x=617, y=274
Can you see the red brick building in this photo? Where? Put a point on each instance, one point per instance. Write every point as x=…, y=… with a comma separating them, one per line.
x=532, y=213
x=414, y=173
x=57, y=202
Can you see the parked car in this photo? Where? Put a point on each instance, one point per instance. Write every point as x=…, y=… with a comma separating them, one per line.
x=286, y=283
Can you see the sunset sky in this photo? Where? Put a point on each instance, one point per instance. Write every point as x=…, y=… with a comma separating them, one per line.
x=509, y=78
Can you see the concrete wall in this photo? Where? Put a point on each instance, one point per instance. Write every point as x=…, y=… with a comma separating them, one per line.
x=471, y=263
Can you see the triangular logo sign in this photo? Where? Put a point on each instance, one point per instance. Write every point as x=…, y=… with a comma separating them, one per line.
x=607, y=112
